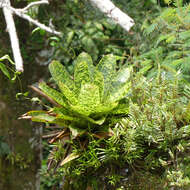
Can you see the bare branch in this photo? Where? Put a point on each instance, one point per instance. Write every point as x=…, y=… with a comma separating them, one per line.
x=113, y=12
x=8, y=13
x=34, y=4
x=38, y=91
x=13, y=37
x=20, y=13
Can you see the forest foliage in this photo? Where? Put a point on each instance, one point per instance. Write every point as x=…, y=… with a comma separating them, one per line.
x=117, y=104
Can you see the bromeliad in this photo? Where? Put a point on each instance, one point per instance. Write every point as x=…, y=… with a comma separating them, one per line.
x=90, y=101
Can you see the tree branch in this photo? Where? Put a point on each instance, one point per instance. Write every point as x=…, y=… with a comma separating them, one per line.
x=37, y=90
x=20, y=13
x=34, y=4
x=113, y=12
x=13, y=36
x=8, y=13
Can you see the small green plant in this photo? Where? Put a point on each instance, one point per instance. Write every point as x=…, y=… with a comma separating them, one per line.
x=90, y=102
x=170, y=35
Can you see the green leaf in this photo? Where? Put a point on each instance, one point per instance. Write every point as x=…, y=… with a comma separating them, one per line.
x=54, y=94
x=41, y=116
x=81, y=73
x=184, y=35
x=118, y=93
x=67, y=118
x=98, y=121
x=5, y=71
x=184, y=131
x=99, y=81
x=89, y=99
x=68, y=93
x=70, y=36
x=107, y=67
x=55, y=38
x=89, y=45
x=120, y=85
x=76, y=131
x=60, y=74
x=36, y=29
x=123, y=75
x=6, y=57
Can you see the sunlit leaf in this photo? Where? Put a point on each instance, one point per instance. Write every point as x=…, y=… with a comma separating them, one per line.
x=40, y=116
x=89, y=97
x=70, y=95
x=60, y=74
x=82, y=73
x=54, y=94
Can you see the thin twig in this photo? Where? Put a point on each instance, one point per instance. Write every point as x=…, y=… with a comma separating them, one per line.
x=38, y=91
x=21, y=14
x=50, y=135
x=34, y=4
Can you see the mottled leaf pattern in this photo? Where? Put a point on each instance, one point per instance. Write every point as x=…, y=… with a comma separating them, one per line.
x=59, y=73
x=81, y=73
x=107, y=67
x=54, y=94
x=92, y=95
x=70, y=95
x=84, y=57
x=99, y=81
x=89, y=99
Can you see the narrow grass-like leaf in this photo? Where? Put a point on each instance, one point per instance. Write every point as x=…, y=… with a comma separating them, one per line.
x=4, y=70
x=41, y=116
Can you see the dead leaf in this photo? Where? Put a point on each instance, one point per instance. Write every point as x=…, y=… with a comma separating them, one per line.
x=70, y=157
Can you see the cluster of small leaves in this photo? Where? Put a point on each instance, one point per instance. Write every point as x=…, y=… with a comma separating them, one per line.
x=156, y=132
x=152, y=139
x=170, y=38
